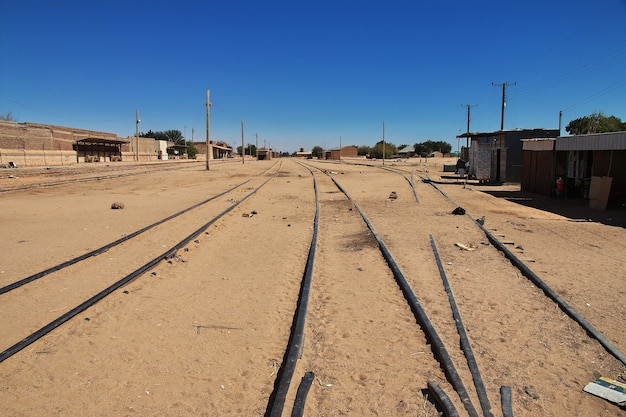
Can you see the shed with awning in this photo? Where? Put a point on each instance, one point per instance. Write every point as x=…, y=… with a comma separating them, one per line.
x=99, y=149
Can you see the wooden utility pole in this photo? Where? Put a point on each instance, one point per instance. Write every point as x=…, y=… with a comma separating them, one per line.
x=243, y=150
x=257, y=147
x=137, y=135
x=504, y=86
x=208, y=126
x=383, y=143
x=469, y=106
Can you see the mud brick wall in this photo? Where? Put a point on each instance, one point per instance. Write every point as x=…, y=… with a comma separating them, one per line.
x=33, y=144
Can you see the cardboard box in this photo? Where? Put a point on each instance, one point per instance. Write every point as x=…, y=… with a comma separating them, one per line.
x=599, y=191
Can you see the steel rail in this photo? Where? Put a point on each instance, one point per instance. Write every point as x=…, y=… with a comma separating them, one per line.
x=119, y=241
x=108, y=246
x=464, y=340
x=396, y=171
x=437, y=345
x=303, y=390
x=505, y=400
x=295, y=345
x=439, y=349
x=171, y=252
x=549, y=292
x=409, y=180
x=449, y=410
x=85, y=179
x=63, y=170
x=465, y=343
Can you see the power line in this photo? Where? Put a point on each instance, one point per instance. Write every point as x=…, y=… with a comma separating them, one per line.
x=598, y=94
x=591, y=64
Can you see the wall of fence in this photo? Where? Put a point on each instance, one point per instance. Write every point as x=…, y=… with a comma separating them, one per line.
x=34, y=144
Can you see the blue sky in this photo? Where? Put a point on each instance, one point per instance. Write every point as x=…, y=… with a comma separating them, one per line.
x=302, y=74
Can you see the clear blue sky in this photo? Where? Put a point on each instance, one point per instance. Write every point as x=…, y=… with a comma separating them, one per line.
x=302, y=74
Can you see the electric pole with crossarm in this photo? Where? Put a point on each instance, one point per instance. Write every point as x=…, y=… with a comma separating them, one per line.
x=504, y=86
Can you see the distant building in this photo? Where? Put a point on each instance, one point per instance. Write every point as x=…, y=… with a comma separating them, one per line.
x=407, y=152
x=177, y=151
x=345, y=152
x=34, y=144
x=99, y=150
x=497, y=156
x=219, y=150
x=263, y=154
x=303, y=153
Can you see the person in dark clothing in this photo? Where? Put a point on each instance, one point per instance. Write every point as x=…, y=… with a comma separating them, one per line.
x=460, y=167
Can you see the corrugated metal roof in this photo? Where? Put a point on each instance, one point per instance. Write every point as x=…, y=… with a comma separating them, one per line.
x=592, y=142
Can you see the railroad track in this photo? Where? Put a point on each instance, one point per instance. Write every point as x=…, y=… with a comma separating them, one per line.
x=356, y=338
x=87, y=278
x=518, y=263
x=452, y=377
x=388, y=270
x=527, y=271
x=54, y=176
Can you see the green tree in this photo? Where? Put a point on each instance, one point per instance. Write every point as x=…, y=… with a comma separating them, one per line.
x=421, y=150
x=317, y=152
x=377, y=150
x=443, y=147
x=249, y=148
x=175, y=136
x=191, y=150
x=363, y=150
x=596, y=122
x=426, y=148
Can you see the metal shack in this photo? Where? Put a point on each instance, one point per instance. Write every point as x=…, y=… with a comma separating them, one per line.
x=592, y=166
x=497, y=156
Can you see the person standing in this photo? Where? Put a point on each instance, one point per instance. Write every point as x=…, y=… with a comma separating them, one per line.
x=460, y=167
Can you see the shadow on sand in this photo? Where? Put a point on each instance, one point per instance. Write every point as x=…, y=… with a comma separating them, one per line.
x=572, y=208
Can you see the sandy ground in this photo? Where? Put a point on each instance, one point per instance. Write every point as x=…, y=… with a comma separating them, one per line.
x=205, y=333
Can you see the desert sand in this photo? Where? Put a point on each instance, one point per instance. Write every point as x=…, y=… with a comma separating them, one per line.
x=204, y=332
